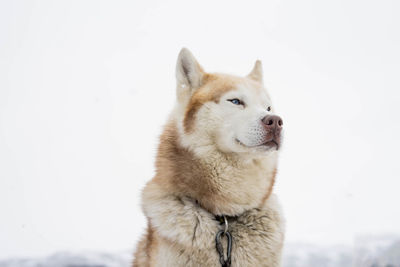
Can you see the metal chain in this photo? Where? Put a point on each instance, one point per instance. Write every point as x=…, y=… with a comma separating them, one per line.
x=220, y=249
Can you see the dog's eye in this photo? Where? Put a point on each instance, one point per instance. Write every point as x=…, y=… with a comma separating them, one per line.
x=236, y=101
x=269, y=109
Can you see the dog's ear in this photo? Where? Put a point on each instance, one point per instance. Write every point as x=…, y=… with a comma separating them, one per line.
x=257, y=72
x=189, y=73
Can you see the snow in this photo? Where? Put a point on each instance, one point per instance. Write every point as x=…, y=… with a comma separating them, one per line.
x=381, y=251
x=85, y=87
x=69, y=259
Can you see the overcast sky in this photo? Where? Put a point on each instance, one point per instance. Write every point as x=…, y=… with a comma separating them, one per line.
x=85, y=87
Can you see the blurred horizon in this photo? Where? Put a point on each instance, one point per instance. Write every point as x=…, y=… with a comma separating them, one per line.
x=380, y=251
x=85, y=88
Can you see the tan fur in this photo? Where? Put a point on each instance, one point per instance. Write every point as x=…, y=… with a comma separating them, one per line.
x=213, y=87
x=269, y=192
x=190, y=188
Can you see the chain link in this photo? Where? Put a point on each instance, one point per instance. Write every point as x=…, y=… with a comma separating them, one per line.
x=220, y=249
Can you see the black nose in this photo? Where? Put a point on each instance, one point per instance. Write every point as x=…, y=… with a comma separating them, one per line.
x=272, y=122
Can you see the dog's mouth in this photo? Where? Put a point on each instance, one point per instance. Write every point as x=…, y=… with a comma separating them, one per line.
x=272, y=143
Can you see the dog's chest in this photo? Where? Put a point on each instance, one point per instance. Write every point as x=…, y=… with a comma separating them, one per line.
x=257, y=238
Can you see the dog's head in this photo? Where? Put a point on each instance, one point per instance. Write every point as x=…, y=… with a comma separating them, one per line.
x=224, y=112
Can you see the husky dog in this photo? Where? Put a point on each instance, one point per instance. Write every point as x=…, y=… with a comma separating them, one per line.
x=215, y=170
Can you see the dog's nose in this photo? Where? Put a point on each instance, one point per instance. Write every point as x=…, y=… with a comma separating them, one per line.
x=272, y=122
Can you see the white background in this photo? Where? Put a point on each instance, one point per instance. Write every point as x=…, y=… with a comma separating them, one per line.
x=85, y=87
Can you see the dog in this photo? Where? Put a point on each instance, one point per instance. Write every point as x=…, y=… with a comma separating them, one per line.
x=211, y=202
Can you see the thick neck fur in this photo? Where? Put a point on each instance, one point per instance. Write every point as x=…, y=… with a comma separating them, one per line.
x=221, y=183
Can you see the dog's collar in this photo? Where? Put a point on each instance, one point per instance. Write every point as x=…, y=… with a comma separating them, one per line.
x=223, y=220
x=218, y=217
